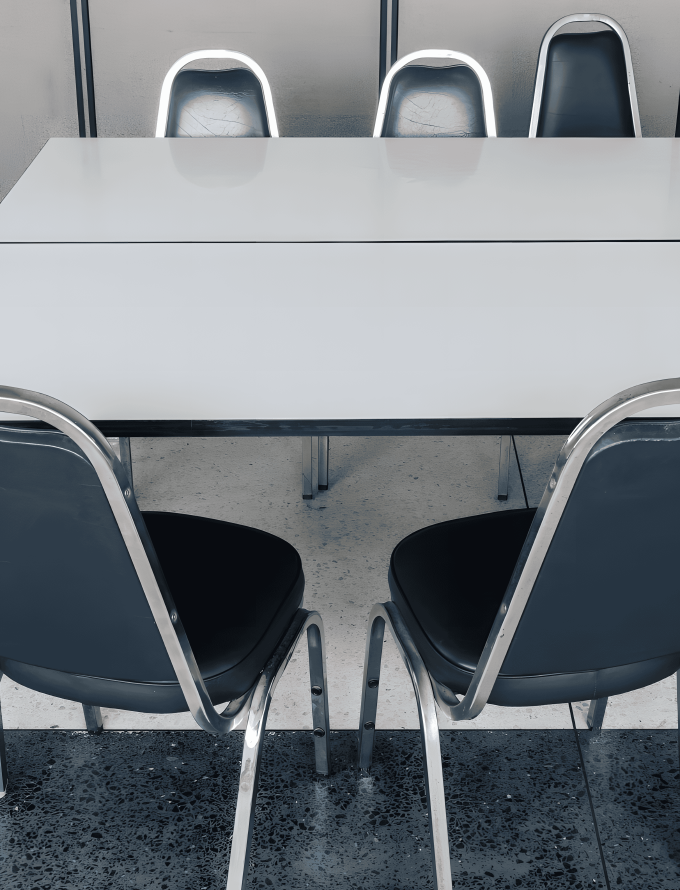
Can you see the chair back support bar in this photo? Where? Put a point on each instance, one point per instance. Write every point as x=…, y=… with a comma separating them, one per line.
x=200, y=89
x=606, y=465
x=588, y=78
x=449, y=101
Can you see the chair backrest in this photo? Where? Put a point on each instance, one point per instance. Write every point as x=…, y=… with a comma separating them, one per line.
x=217, y=103
x=608, y=590
x=427, y=101
x=70, y=597
x=228, y=102
x=584, y=83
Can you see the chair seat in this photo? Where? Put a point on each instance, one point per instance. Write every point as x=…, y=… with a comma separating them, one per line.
x=236, y=590
x=448, y=581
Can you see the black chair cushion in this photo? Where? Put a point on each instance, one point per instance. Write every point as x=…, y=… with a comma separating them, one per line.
x=451, y=578
x=427, y=101
x=236, y=590
x=217, y=103
x=448, y=581
x=586, y=87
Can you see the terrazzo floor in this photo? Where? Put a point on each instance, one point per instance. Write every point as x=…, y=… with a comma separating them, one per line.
x=154, y=811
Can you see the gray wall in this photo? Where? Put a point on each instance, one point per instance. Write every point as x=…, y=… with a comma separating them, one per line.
x=321, y=58
x=505, y=36
x=37, y=92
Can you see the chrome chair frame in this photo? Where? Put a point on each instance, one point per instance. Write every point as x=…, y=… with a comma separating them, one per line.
x=166, y=89
x=427, y=690
x=255, y=702
x=543, y=57
x=487, y=96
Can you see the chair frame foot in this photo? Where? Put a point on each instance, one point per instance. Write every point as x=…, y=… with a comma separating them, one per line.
x=3, y=757
x=388, y=615
x=257, y=703
x=324, y=457
x=504, y=468
x=596, y=714
x=307, y=480
x=93, y=719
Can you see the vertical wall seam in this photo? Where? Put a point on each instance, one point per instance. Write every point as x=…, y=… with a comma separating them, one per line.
x=89, y=73
x=382, y=63
x=77, y=66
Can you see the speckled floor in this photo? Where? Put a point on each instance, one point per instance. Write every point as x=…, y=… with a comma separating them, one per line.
x=154, y=811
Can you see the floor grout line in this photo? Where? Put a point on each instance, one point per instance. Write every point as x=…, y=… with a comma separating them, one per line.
x=590, y=798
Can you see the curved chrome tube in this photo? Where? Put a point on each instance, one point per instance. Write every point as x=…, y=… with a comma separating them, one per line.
x=543, y=56
x=388, y=614
x=487, y=97
x=122, y=501
x=567, y=467
x=254, y=734
x=166, y=89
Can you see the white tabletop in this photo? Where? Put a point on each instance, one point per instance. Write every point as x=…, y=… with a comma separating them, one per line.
x=338, y=331
x=316, y=190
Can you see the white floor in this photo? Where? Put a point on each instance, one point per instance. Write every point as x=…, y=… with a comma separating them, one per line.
x=381, y=490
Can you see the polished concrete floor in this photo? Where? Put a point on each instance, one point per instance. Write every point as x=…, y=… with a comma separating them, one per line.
x=381, y=490
x=154, y=811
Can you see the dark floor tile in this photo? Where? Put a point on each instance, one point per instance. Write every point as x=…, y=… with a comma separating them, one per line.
x=146, y=810
x=636, y=792
x=518, y=811
x=517, y=805
x=154, y=811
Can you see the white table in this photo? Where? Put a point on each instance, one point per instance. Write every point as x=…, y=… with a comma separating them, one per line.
x=320, y=286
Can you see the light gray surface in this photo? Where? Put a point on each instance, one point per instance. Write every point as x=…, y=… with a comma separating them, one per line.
x=229, y=331
x=37, y=85
x=347, y=190
x=381, y=490
x=505, y=38
x=321, y=59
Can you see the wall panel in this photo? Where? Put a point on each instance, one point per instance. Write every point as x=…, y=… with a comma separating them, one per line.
x=320, y=58
x=37, y=93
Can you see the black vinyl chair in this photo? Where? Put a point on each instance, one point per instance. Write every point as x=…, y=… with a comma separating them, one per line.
x=231, y=102
x=425, y=101
x=584, y=83
x=575, y=600
x=153, y=612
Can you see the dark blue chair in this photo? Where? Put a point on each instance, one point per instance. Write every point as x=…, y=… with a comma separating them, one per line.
x=584, y=83
x=575, y=600
x=154, y=612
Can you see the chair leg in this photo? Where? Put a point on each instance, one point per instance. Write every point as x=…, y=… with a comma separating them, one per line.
x=429, y=730
x=319, y=690
x=126, y=457
x=93, y=719
x=596, y=714
x=504, y=468
x=369, y=693
x=307, y=486
x=324, y=448
x=247, y=787
x=3, y=757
